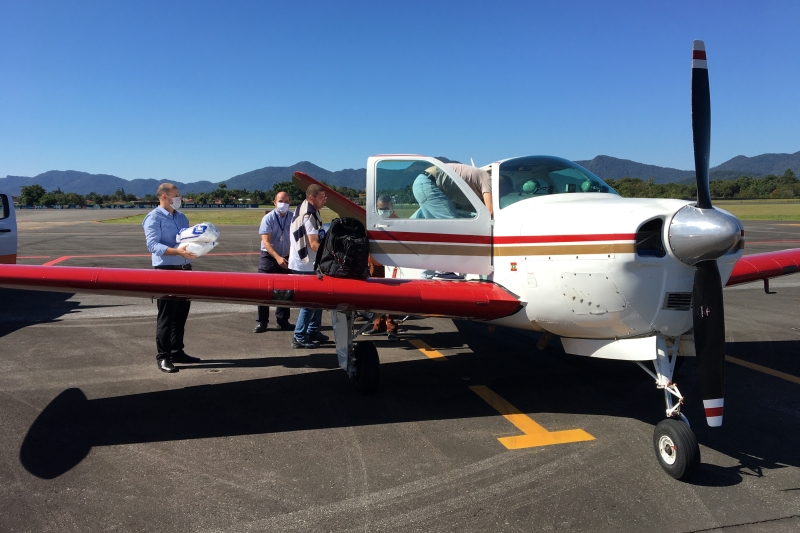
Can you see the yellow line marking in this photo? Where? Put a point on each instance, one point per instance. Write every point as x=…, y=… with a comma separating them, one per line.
x=427, y=350
x=534, y=434
x=764, y=369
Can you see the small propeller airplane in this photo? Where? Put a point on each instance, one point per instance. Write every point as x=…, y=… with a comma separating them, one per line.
x=615, y=278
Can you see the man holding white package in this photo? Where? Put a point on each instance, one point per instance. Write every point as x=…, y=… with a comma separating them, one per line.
x=275, y=231
x=161, y=228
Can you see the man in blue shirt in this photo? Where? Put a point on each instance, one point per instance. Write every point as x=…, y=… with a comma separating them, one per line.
x=161, y=227
x=275, y=234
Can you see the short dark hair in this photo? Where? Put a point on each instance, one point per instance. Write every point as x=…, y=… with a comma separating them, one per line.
x=314, y=189
x=385, y=199
x=165, y=188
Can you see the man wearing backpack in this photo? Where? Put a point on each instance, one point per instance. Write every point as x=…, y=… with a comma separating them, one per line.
x=305, y=241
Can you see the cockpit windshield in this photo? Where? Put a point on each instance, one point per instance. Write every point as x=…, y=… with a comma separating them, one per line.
x=531, y=177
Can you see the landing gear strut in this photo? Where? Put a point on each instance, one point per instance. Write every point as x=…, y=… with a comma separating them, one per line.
x=359, y=360
x=674, y=442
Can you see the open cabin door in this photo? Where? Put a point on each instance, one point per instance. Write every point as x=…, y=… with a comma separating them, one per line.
x=8, y=231
x=421, y=214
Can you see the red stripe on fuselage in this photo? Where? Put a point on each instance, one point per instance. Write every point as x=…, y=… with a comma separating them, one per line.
x=713, y=411
x=413, y=236
x=533, y=239
x=699, y=54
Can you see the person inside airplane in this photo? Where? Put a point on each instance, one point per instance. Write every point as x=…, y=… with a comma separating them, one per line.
x=433, y=202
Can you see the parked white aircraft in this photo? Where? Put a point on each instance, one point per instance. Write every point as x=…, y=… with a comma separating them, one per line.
x=616, y=278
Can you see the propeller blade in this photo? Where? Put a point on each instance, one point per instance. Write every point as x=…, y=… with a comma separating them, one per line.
x=701, y=123
x=709, y=338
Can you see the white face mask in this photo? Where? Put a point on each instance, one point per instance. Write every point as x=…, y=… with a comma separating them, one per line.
x=282, y=207
x=175, y=202
x=385, y=212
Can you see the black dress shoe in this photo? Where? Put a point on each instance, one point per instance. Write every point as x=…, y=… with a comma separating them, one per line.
x=182, y=357
x=165, y=365
x=260, y=328
x=285, y=326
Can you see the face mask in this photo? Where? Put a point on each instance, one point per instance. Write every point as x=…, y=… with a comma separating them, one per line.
x=385, y=212
x=175, y=202
x=282, y=207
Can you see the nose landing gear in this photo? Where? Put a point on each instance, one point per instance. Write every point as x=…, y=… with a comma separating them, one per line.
x=676, y=448
x=674, y=442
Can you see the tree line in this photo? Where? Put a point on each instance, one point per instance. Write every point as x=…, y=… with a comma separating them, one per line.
x=744, y=187
x=36, y=195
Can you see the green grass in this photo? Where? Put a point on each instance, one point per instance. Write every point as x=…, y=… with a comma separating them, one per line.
x=218, y=217
x=744, y=209
x=762, y=209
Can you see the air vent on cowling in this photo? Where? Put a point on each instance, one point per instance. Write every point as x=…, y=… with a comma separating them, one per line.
x=649, y=242
x=678, y=301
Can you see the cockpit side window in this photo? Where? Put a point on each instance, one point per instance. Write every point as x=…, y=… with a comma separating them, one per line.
x=530, y=177
x=4, y=207
x=420, y=189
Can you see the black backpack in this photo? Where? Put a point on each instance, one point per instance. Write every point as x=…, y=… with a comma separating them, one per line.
x=344, y=250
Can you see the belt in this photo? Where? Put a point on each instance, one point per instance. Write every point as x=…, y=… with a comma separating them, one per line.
x=187, y=266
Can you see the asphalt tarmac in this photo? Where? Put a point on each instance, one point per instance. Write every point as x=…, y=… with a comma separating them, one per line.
x=260, y=437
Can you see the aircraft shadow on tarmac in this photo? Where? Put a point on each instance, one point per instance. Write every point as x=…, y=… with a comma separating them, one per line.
x=36, y=307
x=417, y=390
x=33, y=307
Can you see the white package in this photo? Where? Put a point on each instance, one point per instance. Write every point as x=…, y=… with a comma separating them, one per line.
x=203, y=232
x=198, y=248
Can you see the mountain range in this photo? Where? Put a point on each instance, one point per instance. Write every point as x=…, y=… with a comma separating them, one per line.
x=606, y=167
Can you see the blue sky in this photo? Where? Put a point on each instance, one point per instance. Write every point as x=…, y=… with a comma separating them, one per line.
x=198, y=90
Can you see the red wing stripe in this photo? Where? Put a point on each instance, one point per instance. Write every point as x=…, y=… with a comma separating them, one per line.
x=765, y=265
x=698, y=54
x=713, y=411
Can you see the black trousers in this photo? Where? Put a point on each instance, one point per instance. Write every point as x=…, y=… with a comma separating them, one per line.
x=268, y=265
x=171, y=321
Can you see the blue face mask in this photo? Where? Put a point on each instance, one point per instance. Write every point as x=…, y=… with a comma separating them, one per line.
x=386, y=213
x=282, y=207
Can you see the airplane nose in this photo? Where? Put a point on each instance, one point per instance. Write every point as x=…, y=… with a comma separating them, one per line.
x=702, y=234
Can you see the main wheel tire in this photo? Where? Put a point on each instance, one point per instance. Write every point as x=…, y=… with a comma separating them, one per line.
x=368, y=375
x=676, y=449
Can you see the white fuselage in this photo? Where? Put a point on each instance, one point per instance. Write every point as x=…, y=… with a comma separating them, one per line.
x=559, y=239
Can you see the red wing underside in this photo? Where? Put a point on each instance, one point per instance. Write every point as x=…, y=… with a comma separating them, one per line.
x=336, y=202
x=764, y=266
x=458, y=299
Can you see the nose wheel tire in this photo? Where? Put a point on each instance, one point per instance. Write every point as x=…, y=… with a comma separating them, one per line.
x=368, y=374
x=676, y=449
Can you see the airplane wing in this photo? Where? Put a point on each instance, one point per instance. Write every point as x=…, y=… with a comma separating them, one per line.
x=765, y=266
x=457, y=299
x=338, y=203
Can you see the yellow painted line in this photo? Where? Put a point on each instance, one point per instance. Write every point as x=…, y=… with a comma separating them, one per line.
x=427, y=350
x=534, y=434
x=764, y=369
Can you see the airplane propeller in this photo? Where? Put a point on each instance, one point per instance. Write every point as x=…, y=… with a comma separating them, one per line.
x=709, y=314
x=698, y=236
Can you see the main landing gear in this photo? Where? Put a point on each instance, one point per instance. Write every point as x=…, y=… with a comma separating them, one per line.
x=360, y=360
x=674, y=442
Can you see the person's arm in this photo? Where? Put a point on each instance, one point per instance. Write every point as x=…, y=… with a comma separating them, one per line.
x=183, y=252
x=152, y=233
x=487, y=199
x=266, y=239
x=313, y=241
